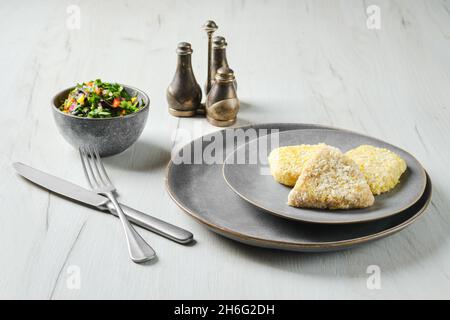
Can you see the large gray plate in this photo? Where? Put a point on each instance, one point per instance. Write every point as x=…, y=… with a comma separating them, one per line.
x=201, y=191
x=255, y=185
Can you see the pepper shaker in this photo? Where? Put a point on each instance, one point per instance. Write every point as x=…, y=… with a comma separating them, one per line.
x=219, y=57
x=209, y=26
x=222, y=103
x=184, y=95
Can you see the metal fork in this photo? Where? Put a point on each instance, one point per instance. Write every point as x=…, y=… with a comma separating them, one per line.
x=139, y=250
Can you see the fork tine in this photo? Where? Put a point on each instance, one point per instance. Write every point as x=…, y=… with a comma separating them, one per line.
x=92, y=178
x=94, y=163
x=102, y=168
x=82, y=156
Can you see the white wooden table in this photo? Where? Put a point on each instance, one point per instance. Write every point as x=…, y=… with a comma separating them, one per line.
x=325, y=62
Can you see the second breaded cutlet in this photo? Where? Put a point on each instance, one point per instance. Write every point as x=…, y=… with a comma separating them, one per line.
x=286, y=163
x=381, y=167
x=331, y=180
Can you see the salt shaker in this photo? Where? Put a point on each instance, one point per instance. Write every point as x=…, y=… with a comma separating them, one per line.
x=222, y=103
x=184, y=95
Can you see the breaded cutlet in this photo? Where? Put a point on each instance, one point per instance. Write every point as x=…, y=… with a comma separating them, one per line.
x=329, y=179
x=381, y=167
x=286, y=163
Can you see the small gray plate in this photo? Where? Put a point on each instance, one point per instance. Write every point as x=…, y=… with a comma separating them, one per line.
x=201, y=191
x=254, y=183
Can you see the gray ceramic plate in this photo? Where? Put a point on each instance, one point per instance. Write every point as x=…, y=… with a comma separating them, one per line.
x=254, y=183
x=201, y=191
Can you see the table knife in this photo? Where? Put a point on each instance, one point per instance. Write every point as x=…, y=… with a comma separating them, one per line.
x=75, y=192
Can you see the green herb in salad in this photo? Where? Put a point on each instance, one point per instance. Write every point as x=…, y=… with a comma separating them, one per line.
x=97, y=99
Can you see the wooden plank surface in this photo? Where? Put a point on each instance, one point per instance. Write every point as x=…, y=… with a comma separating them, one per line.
x=295, y=61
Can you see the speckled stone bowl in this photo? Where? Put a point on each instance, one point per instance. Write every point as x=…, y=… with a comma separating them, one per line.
x=109, y=135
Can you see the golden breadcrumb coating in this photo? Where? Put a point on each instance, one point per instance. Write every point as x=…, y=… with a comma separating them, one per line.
x=286, y=163
x=382, y=168
x=330, y=179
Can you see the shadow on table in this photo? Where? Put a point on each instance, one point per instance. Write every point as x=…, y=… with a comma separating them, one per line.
x=397, y=252
x=142, y=156
x=240, y=122
x=244, y=105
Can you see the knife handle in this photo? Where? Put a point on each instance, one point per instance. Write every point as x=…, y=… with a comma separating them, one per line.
x=153, y=224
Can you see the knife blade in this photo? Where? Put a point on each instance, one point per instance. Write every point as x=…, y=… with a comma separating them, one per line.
x=75, y=192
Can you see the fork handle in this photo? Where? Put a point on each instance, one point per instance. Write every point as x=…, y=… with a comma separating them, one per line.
x=154, y=224
x=139, y=250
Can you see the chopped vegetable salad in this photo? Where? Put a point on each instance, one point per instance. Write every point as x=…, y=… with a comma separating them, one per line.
x=97, y=99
